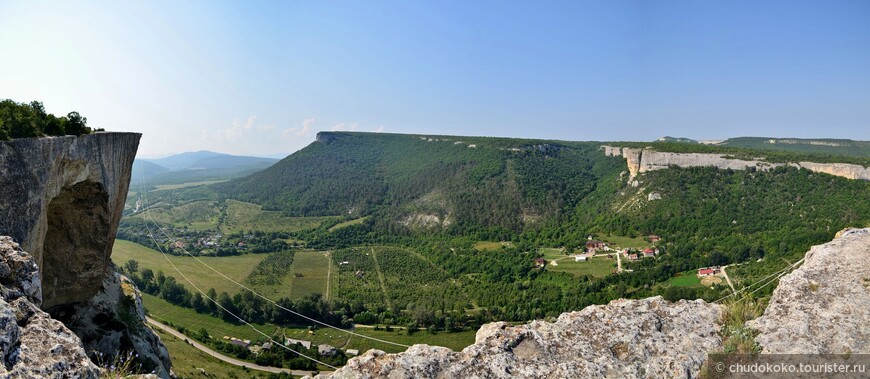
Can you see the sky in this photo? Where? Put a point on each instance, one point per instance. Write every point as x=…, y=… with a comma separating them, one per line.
x=262, y=78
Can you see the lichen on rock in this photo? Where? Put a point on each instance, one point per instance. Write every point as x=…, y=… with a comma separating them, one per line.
x=33, y=345
x=626, y=338
x=823, y=307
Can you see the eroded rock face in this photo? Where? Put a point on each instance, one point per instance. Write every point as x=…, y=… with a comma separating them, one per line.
x=644, y=160
x=624, y=339
x=62, y=198
x=113, y=322
x=32, y=344
x=823, y=306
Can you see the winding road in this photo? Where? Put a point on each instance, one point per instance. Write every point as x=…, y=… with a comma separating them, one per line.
x=222, y=357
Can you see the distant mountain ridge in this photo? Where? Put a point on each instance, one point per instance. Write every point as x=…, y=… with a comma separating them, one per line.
x=196, y=166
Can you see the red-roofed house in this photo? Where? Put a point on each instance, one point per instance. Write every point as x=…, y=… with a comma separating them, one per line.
x=707, y=271
x=540, y=262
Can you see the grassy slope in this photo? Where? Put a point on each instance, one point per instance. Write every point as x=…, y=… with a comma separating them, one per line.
x=241, y=216
x=238, y=267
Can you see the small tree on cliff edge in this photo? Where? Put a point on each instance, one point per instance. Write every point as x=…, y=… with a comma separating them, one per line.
x=76, y=124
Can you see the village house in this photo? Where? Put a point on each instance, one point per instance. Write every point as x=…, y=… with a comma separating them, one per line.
x=632, y=257
x=305, y=344
x=708, y=271
x=540, y=262
x=580, y=258
x=594, y=245
x=326, y=350
x=238, y=342
x=649, y=253
x=654, y=238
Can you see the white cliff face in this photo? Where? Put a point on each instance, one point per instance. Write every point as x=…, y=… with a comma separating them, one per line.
x=823, y=306
x=624, y=339
x=644, y=160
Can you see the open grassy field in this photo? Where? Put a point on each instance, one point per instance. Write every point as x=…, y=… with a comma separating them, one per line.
x=188, y=360
x=236, y=267
x=551, y=253
x=625, y=242
x=686, y=279
x=198, y=215
x=345, y=224
x=489, y=245
x=597, y=267
x=309, y=273
x=185, y=185
x=241, y=216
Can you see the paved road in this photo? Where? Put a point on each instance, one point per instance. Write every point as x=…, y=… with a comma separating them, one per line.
x=222, y=357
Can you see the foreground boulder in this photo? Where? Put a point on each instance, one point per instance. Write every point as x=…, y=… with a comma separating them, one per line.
x=626, y=338
x=824, y=306
x=32, y=344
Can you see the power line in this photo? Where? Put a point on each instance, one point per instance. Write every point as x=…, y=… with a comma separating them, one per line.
x=227, y=310
x=258, y=294
x=778, y=275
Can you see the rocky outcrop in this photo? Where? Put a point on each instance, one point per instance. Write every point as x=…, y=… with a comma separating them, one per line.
x=62, y=198
x=824, y=306
x=644, y=160
x=626, y=338
x=113, y=322
x=32, y=344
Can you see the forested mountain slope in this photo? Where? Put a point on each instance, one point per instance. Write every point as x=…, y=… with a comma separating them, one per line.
x=447, y=183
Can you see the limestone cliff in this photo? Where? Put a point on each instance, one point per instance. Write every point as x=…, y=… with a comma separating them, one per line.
x=61, y=198
x=644, y=160
x=824, y=306
x=32, y=344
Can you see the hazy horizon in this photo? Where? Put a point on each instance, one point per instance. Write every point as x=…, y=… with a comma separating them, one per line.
x=263, y=78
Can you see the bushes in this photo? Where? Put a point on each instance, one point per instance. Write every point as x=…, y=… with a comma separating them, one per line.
x=21, y=120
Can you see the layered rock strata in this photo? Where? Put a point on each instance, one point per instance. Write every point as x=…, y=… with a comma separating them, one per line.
x=62, y=198
x=644, y=160
x=626, y=338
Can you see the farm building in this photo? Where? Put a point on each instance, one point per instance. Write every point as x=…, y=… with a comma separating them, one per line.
x=540, y=262
x=708, y=271
x=305, y=344
x=594, y=245
x=580, y=258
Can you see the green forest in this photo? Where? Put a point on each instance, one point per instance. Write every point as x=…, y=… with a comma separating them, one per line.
x=22, y=120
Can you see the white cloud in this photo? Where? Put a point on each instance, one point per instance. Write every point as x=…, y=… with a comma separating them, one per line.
x=380, y=129
x=306, y=127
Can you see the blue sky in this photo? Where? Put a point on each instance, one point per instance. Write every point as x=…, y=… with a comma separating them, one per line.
x=262, y=78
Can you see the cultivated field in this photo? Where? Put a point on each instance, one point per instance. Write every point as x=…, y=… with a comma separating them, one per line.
x=309, y=274
x=236, y=267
